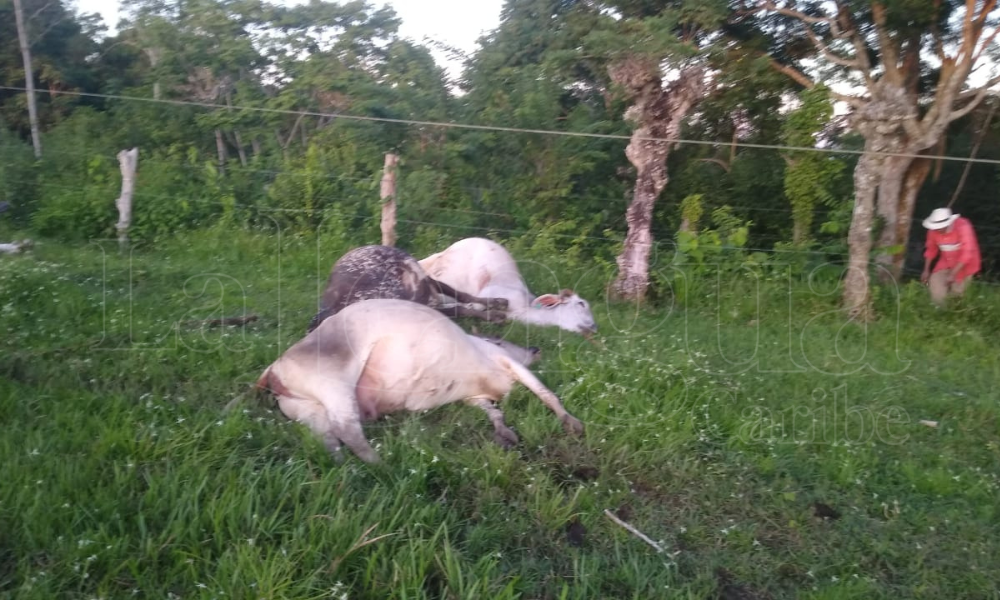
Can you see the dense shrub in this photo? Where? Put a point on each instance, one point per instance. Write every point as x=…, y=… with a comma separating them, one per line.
x=17, y=177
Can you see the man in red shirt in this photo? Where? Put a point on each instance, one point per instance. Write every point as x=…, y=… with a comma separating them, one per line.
x=950, y=239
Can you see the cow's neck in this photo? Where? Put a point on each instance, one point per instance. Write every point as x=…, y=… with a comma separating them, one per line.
x=535, y=316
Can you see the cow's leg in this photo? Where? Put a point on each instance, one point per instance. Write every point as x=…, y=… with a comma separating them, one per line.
x=463, y=298
x=460, y=310
x=570, y=423
x=353, y=436
x=313, y=415
x=345, y=420
x=502, y=435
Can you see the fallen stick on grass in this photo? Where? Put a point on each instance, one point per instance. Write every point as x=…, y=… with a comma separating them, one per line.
x=222, y=322
x=633, y=530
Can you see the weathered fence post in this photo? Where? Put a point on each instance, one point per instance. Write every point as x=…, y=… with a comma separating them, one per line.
x=128, y=160
x=389, y=200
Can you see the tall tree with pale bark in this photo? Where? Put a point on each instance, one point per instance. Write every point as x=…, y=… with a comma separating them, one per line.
x=29, y=76
x=904, y=67
x=654, y=53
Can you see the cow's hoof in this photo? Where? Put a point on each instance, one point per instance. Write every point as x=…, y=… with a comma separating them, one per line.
x=505, y=438
x=572, y=425
x=369, y=456
x=498, y=303
x=496, y=317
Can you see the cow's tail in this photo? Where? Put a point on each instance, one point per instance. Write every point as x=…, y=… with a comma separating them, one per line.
x=264, y=382
x=270, y=381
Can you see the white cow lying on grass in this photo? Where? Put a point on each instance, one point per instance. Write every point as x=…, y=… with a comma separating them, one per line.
x=15, y=247
x=484, y=268
x=381, y=356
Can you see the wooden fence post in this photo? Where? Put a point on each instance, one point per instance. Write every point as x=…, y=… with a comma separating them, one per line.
x=128, y=160
x=389, y=200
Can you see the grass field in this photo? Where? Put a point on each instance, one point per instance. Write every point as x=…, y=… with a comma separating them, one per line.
x=713, y=429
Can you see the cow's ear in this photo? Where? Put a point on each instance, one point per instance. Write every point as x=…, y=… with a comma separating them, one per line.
x=546, y=300
x=566, y=293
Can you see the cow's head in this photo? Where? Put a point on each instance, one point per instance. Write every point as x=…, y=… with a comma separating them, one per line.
x=570, y=311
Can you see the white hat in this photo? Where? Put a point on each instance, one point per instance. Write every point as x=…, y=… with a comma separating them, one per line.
x=940, y=218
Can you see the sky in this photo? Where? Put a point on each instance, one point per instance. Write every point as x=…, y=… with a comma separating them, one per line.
x=456, y=23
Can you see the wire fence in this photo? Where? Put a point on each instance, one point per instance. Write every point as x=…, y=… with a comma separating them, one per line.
x=661, y=245
x=497, y=128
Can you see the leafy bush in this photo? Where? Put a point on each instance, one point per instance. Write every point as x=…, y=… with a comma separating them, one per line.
x=82, y=212
x=550, y=251
x=702, y=255
x=17, y=177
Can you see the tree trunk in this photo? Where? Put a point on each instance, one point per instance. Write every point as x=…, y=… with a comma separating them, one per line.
x=239, y=147
x=388, y=193
x=633, y=263
x=658, y=113
x=237, y=138
x=127, y=160
x=220, y=147
x=901, y=181
x=800, y=231
x=890, y=187
x=857, y=297
x=153, y=54
x=29, y=77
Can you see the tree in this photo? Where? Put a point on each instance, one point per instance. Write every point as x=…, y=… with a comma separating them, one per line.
x=528, y=74
x=29, y=76
x=901, y=101
x=45, y=48
x=641, y=45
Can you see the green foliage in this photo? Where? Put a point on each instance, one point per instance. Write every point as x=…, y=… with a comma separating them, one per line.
x=327, y=177
x=62, y=48
x=17, y=177
x=82, y=212
x=691, y=211
x=701, y=255
x=81, y=179
x=810, y=175
x=565, y=246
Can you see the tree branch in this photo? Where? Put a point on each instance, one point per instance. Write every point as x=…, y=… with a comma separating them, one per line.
x=803, y=80
x=725, y=166
x=291, y=134
x=793, y=73
x=973, y=92
x=860, y=62
x=795, y=14
x=830, y=55
x=976, y=101
x=890, y=57
x=38, y=12
x=986, y=44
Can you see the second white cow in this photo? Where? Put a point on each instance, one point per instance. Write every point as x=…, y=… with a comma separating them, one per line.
x=484, y=268
x=381, y=356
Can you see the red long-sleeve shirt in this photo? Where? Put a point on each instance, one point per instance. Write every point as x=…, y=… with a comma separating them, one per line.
x=956, y=246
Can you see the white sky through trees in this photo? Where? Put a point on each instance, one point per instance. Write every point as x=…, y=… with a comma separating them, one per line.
x=455, y=23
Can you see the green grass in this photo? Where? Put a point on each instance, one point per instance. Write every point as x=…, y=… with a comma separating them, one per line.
x=711, y=428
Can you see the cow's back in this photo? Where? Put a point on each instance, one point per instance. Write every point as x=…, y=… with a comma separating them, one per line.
x=412, y=357
x=372, y=272
x=481, y=267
